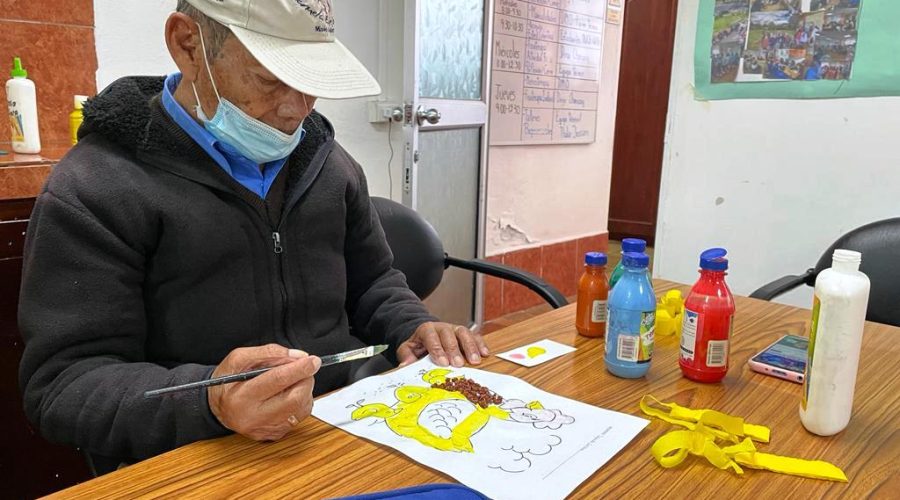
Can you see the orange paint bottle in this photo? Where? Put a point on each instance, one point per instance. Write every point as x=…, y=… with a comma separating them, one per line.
x=593, y=291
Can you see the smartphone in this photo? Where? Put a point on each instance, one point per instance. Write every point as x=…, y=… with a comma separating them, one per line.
x=785, y=359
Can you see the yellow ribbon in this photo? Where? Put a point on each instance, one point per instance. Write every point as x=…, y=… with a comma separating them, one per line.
x=706, y=426
x=721, y=425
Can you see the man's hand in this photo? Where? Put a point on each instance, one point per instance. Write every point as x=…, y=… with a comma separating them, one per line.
x=265, y=408
x=445, y=343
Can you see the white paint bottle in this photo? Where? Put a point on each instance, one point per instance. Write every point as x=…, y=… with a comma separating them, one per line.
x=23, y=117
x=835, y=338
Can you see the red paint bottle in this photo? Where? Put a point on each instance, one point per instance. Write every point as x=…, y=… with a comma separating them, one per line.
x=707, y=323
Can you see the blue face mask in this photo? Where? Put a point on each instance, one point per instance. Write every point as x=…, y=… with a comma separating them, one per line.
x=252, y=138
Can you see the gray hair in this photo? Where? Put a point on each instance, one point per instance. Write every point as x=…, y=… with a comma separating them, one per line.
x=214, y=32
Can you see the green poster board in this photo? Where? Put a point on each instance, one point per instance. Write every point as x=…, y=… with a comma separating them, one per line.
x=876, y=69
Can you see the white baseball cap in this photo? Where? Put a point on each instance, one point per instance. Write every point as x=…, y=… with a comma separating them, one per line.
x=294, y=39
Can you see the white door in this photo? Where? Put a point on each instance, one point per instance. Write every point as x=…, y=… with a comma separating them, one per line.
x=445, y=123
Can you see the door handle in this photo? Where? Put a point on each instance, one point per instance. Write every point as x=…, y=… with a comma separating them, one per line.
x=431, y=116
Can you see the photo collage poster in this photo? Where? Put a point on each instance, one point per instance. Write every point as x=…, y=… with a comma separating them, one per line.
x=778, y=40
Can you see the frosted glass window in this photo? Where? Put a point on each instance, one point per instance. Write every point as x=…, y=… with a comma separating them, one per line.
x=448, y=199
x=450, y=49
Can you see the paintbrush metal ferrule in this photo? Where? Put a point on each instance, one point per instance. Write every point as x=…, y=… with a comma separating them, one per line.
x=365, y=352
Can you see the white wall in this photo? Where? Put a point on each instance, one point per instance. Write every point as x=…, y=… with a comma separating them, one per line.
x=775, y=182
x=359, y=24
x=539, y=195
x=129, y=40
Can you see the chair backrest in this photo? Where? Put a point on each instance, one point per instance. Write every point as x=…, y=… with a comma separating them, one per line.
x=879, y=243
x=417, y=248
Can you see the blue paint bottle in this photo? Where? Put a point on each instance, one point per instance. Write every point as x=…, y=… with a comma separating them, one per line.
x=631, y=320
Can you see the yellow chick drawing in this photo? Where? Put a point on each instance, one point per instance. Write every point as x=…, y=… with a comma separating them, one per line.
x=435, y=417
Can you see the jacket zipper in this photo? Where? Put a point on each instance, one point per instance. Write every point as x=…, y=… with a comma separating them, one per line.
x=276, y=238
x=279, y=265
x=278, y=250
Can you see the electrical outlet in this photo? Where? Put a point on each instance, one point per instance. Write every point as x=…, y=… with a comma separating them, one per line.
x=380, y=111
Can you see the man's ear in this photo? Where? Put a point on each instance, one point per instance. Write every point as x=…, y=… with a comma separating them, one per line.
x=183, y=41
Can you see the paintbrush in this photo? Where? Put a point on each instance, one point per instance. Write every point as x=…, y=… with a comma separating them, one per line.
x=331, y=359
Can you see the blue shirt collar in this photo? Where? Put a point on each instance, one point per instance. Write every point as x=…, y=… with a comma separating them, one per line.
x=242, y=169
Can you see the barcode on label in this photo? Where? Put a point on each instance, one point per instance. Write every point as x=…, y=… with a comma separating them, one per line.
x=717, y=353
x=627, y=348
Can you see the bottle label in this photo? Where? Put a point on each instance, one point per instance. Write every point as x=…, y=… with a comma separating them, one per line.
x=629, y=335
x=648, y=327
x=15, y=123
x=598, y=312
x=813, y=327
x=717, y=353
x=689, y=335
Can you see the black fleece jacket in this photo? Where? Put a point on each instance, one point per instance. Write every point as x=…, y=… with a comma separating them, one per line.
x=146, y=264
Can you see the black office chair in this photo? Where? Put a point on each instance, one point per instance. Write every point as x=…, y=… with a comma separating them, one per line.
x=419, y=254
x=879, y=243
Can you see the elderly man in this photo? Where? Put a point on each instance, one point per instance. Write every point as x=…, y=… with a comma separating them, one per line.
x=205, y=224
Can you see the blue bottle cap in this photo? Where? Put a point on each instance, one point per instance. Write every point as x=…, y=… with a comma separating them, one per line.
x=714, y=259
x=633, y=245
x=635, y=259
x=595, y=259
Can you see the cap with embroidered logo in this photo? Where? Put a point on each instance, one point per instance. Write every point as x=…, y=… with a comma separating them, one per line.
x=294, y=39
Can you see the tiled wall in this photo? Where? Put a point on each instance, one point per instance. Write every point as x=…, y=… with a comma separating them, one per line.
x=559, y=264
x=55, y=40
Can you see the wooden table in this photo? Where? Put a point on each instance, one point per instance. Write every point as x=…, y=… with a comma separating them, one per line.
x=321, y=461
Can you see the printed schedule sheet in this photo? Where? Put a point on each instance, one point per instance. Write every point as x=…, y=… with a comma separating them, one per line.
x=546, y=71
